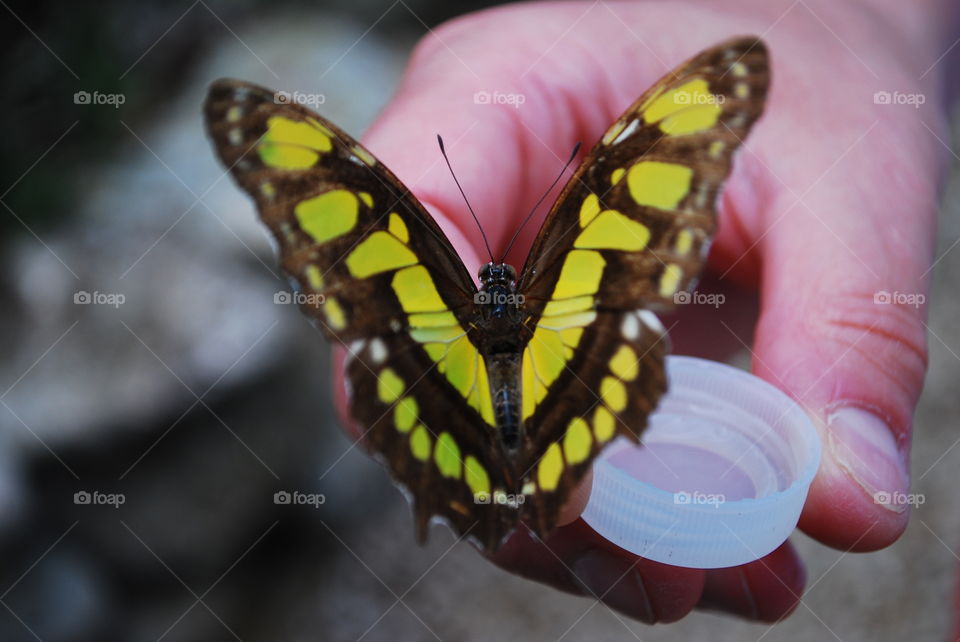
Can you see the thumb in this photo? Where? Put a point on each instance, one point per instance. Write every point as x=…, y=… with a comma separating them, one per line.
x=842, y=329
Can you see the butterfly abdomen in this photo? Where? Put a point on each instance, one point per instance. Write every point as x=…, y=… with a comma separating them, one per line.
x=503, y=368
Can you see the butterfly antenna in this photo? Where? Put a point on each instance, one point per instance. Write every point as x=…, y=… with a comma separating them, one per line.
x=482, y=233
x=573, y=154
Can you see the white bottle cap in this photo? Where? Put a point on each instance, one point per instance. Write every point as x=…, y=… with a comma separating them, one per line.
x=721, y=477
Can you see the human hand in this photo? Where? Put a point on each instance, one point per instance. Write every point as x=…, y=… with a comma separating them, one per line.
x=832, y=200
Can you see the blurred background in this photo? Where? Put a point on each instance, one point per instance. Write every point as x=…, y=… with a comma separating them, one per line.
x=154, y=398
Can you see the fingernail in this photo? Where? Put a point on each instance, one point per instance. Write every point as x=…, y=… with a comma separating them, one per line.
x=863, y=445
x=615, y=580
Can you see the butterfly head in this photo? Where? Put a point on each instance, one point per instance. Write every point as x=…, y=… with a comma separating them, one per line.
x=498, y=291
x=498, y=274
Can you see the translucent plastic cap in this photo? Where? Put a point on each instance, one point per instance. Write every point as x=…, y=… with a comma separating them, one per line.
x=721, y=477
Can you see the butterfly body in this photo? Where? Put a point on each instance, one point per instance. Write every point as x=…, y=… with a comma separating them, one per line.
x=489, y=404
x=501, y=340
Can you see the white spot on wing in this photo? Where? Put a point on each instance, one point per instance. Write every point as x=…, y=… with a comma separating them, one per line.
x=378, y=351
x=235, y=136
x=631, y=327
x=700, y=200
x=737, y=120
x=627, y=131
x=354, y=347
x=650, y=320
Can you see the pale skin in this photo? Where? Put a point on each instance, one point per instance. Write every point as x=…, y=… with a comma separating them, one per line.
x=867, y=176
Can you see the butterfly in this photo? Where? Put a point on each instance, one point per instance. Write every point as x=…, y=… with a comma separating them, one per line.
x=488, y=404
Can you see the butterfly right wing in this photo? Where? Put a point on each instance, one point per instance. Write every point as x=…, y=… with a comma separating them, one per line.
x=628, y=234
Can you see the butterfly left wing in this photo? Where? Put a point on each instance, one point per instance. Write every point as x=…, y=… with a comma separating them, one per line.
x=380, y=277
x=344, y=224
x=429, y=438
x=630, y=230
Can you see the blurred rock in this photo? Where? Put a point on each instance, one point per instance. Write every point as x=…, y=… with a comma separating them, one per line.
x=159, y=291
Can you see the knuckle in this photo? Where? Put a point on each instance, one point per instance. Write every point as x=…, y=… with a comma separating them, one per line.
x=884, y=343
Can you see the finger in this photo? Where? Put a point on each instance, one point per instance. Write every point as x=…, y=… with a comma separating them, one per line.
x=341, y=397
x=854, y=361
x=577, y=501
x=505, y=153
x=768, y=589
x=577, y=560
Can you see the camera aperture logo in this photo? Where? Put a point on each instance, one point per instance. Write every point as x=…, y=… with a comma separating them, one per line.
x=497, y=298
x=298, y=98
x=499, y=98
x=699, y=298
x=98, y=98
x=296, y=498
x=899, y=98
x=82, y=297
x=916, y=299
x=96, y=498
x=499, y=497
x=283, y=297
x=696, y=498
